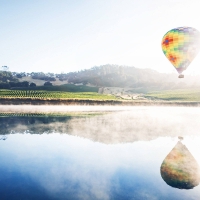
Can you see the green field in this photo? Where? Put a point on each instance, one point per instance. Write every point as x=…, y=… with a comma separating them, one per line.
x=192, y=95
x=166, y=95
x=41, y=94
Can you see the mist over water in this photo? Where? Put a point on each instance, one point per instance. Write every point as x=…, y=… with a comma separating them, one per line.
x=107, y=124
x=108, y=153
x=61, y=109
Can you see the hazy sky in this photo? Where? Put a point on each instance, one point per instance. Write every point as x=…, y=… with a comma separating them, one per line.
x=70, y=35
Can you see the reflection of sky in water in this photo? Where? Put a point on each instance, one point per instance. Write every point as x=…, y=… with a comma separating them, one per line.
x=68, y=167
x=120, y=159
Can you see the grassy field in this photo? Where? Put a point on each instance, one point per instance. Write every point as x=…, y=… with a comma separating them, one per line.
x=41, y=94
x=192, y=95
x=78, y=92
x=39, y=82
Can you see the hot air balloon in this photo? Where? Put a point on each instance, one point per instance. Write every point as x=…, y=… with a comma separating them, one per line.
x=180, y=46
x=180, y=169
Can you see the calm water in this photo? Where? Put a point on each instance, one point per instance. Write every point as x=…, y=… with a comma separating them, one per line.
x=114, y=155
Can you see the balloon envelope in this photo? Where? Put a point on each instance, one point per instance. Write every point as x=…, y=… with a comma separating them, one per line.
x=180, y=46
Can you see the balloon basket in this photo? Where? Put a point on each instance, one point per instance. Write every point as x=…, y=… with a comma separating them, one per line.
x=181, y=76
x=180, y=138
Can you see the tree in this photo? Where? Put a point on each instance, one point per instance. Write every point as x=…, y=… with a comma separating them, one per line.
x=48, y=83
x=32, y=85
x=19, y=76
x=4, y=86
x=24, y=84
x=13, y=84
x=19, y=84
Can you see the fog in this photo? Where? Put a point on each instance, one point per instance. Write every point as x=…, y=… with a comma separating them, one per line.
x=94, y=152
x=108, y=124
x=59, y=109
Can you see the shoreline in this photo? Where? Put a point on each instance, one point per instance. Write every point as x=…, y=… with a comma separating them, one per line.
x=90, y=102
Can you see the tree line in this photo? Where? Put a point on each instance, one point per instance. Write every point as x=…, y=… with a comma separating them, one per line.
x=105, y=76
x=9, y=80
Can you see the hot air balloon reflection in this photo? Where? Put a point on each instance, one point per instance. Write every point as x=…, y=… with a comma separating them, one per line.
x=180, y=46
x=180, y=169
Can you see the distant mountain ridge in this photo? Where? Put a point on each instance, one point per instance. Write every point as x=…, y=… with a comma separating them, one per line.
x=111, y=76
x=132, y=77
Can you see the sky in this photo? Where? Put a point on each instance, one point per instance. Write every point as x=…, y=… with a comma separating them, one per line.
x=66, y=35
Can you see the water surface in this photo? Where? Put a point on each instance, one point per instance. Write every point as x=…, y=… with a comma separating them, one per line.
x=104, y=155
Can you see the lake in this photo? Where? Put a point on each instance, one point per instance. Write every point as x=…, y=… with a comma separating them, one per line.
x=109, y=153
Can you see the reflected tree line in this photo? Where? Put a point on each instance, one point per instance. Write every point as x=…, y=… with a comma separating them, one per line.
x=32, y=124
x=179, y=169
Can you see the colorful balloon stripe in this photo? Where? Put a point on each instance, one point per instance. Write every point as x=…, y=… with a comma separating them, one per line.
x=180, y=46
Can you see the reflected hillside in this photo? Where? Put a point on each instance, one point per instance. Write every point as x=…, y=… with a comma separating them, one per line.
x=139, y=124
x=180, y=169
x=35, y=124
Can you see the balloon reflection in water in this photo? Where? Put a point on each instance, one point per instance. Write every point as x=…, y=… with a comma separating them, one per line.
x=180, y=169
